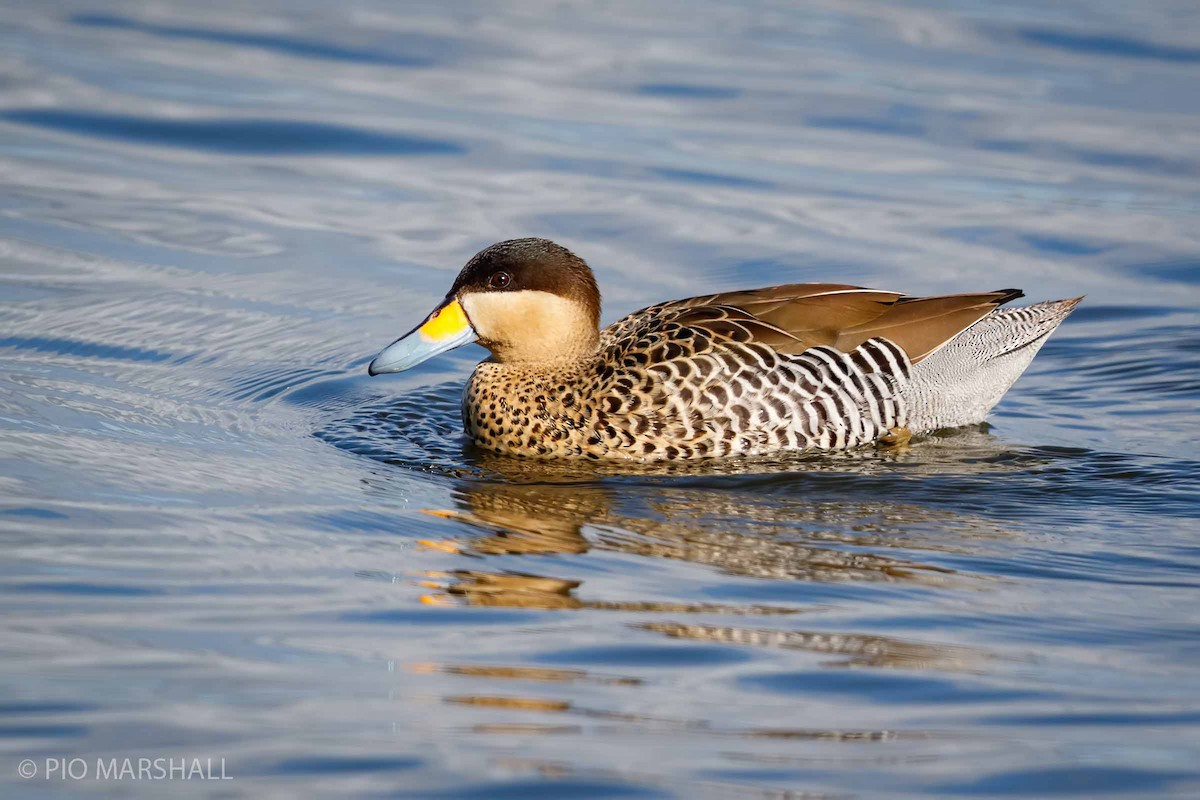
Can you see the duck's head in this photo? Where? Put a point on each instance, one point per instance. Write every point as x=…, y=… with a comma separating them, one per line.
x=525, y=300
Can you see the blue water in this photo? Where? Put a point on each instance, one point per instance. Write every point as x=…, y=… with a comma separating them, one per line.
x=222, y=540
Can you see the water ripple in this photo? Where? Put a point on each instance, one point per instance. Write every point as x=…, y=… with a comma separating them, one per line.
x=1109, y=44
x=233, y=135
x=288, y=45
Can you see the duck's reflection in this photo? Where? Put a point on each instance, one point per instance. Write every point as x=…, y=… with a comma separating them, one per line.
x=775, y=538
x=738, y=533
x=844, y=521
x=848, y=649
x=523, y=590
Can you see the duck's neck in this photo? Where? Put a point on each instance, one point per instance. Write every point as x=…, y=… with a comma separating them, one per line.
x=547, y=353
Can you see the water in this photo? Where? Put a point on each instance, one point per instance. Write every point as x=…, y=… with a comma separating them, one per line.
x=223, y=540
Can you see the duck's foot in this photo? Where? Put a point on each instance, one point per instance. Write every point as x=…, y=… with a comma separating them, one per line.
x=894, y=439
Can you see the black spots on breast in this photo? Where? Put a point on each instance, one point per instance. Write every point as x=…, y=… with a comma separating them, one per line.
x=683, y=368
x=648, y=448
x=612, y=404
x=568, y=400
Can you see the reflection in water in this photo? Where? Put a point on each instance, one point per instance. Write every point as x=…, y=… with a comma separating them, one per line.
x=518, y=590
x=520, y=703
x=609, y=723
x=510, y=590
x=544, y=705
x=860, y=651
x=727, y=531
x=572, y=781
x=544, y=674
x=735, y=532
x=778, y=539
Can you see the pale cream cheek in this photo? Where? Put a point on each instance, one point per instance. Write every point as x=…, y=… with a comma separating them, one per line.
x=528, y=325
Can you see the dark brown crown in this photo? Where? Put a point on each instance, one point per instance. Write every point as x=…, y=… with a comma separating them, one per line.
x=531, y=264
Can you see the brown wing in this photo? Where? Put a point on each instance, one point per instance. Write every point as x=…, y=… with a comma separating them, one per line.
x=795, y=317
x=920, y=325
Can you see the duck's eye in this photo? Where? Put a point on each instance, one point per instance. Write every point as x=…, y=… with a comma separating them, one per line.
x=499, y=280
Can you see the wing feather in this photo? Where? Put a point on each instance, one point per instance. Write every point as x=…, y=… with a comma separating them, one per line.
x=795, y=317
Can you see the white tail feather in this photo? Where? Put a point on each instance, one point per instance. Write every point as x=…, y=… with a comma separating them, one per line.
x=962, y=381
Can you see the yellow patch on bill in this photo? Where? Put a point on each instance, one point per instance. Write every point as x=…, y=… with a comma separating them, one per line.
x=449, y=320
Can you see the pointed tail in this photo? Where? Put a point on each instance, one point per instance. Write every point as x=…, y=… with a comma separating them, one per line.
x=959, y=384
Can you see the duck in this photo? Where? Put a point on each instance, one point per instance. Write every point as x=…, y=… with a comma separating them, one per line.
x=796, y=367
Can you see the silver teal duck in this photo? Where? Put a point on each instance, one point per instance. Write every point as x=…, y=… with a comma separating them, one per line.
x=806, y=366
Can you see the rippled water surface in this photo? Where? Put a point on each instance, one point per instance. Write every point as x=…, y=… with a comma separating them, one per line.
x=221, y=539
